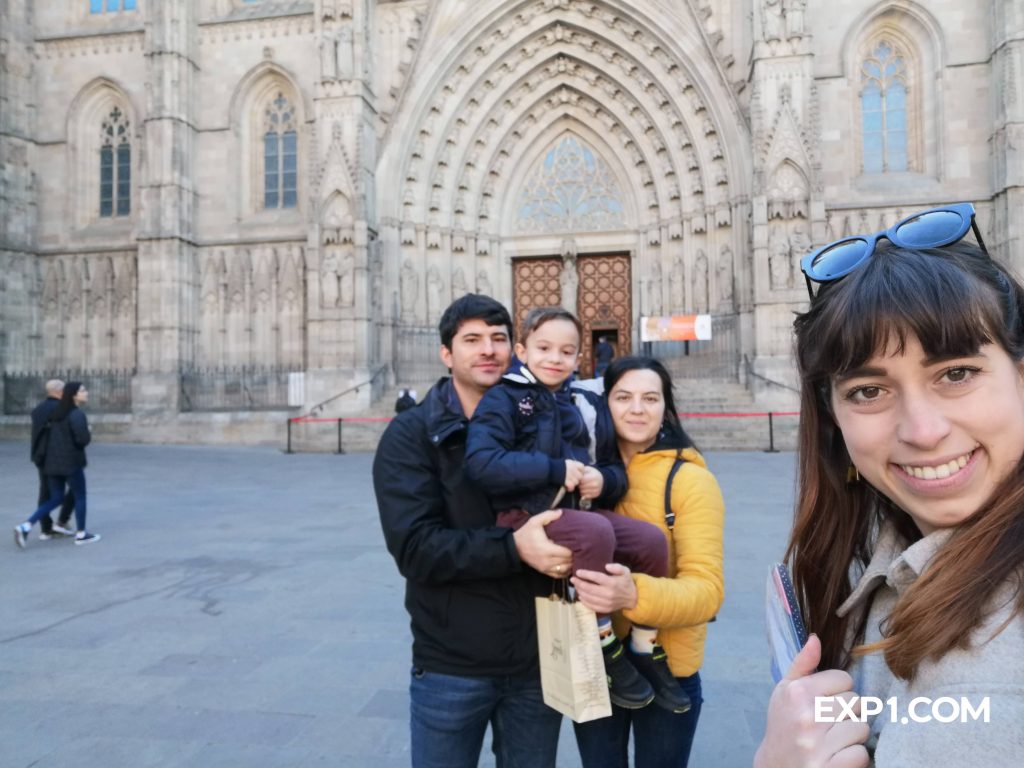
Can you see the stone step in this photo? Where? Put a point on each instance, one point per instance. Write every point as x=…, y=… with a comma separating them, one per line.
x=732, y=433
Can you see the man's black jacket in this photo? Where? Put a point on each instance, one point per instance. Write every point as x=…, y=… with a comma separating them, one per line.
x=468, y=594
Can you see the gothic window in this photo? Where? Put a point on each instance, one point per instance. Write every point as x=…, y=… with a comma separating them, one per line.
x=883, y=103
x=572, y=190
x=115, y=165
x=280, y=154
x=111, y=6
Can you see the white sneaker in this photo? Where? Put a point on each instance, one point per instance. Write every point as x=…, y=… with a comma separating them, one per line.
x=60, y=530
x=20, y=536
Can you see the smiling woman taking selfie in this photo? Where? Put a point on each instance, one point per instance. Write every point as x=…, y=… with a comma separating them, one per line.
x=908, y=545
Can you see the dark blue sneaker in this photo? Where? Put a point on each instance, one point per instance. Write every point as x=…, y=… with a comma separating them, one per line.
x=20, y=536
x=87, y=538
x=668, y=694
x=626, y=687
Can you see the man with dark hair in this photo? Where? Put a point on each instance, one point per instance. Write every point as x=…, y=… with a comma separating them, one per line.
x=469, y=584
x=40, y=416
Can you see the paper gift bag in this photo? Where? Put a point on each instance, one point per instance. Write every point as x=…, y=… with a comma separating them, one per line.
x=571, y=663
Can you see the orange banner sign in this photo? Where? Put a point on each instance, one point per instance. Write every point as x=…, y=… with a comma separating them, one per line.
x=676, y=328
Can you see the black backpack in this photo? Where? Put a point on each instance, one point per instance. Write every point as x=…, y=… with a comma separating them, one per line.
x=404, y=402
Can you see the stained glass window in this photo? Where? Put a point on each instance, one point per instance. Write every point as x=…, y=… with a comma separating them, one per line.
x=883, y=106
x=280, y=155
x=115, y=166
x=572, y=190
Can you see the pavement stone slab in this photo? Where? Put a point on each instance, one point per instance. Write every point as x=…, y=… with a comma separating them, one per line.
x=242, y=610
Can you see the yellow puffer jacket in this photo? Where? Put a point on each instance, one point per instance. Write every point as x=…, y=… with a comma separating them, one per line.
x=680, y=605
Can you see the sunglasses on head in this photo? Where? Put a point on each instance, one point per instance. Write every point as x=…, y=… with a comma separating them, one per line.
x=933, y=228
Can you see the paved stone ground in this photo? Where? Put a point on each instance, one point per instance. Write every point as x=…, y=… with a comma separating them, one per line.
x=241, y=610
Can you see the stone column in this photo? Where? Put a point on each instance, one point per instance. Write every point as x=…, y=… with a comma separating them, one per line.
x=1007, y=140
x=18, y=213
x=786, y=204
x=167, y=283
x=341, y=335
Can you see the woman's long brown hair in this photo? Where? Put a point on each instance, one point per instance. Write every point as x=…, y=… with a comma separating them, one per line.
x=953, y=300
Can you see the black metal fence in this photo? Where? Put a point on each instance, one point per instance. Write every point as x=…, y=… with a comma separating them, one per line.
x=245, y=388
x=109, y=391
x=718, y=358
x=417, y=363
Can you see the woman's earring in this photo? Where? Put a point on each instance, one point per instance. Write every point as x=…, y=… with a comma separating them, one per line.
x=852, y=475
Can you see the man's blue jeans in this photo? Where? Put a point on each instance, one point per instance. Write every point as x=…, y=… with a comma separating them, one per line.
x=661, y=739
x=449, y=715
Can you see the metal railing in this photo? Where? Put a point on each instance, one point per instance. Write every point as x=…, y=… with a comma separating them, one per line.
x=242, y=388
x=370, y=382
x=109, y=391
x=718, y=358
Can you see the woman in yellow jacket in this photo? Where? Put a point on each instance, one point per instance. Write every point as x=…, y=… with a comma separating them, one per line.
x=652, y=442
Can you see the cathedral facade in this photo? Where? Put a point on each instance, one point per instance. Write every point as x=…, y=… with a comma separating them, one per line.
x=251, y=206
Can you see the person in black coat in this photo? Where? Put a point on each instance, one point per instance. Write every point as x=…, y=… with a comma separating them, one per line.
x=40, y=416
x=470, y=585
x=64, y=462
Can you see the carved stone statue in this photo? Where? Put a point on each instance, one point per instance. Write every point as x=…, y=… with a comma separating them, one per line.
x=347, y=280
x=799, y=243
x=434, y=288
x=780, y=265
x=345, y=56
x=677, y=285
x=409, y=287
x=459, y=287
x=725, y=273
x=569, y=280
x=483, y=285
x=329, y=278
x=771, y=19
x=329, y=56
x=700, y=283
x=654, y=290
x=794, y=17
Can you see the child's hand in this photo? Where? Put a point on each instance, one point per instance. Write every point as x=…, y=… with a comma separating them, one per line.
x=573, y=474
x=592, y=483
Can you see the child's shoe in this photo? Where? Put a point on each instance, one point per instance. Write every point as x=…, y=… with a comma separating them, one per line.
x=668, y=694
x=626, y=688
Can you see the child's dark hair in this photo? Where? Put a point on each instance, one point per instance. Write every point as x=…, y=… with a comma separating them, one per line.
x=472, y=306
x=673, y=435
x=536, y=317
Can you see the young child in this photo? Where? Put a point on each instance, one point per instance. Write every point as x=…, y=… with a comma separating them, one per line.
x=528, y=439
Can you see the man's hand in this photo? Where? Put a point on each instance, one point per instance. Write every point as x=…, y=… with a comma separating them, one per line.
x=538, y=551
x=591, y=484
x=606, y=592
x=573, y=474
x=792, y=738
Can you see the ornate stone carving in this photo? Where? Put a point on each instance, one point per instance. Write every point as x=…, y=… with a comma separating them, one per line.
x=459, y=287
x=409, y=287
x=435, y=288
x=771, y=20
x=725, y=279
x=483, y=285
x=699, y=295
x=654, y=306
x=677, y=286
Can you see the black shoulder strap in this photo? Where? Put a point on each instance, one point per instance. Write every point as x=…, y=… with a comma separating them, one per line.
x=670, y=516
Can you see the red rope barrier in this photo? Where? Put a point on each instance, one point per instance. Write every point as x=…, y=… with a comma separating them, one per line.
x=725, y=415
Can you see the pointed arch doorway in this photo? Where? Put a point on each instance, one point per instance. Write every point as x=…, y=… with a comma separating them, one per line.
x=603, y=297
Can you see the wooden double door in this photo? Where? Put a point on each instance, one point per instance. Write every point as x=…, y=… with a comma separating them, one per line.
x=603, y=298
